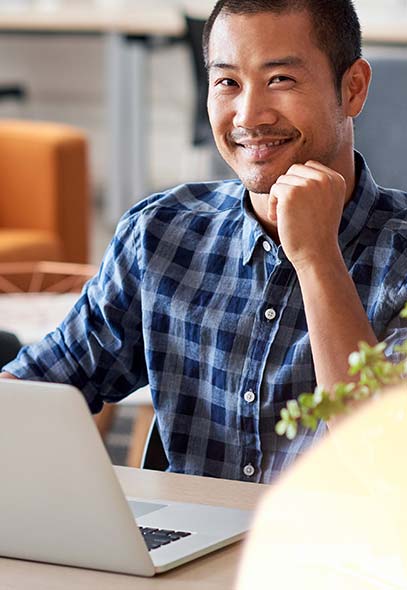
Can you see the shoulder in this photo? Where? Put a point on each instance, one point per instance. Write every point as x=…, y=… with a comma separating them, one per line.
x=389, y=219
x=379, y=253
x=209, y=199
x=206, y=198
x=388, y=225
x=187, y=213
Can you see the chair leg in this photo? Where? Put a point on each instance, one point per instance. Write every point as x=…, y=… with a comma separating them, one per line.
x=104, y=419
x=141, y=428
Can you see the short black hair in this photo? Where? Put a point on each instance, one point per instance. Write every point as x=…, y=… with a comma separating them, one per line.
x=335, y=23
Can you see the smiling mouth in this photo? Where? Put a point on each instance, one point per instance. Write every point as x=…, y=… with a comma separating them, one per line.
x=262, y=151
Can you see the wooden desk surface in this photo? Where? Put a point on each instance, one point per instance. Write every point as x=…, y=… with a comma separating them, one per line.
x=215, y=571
x=156, y=17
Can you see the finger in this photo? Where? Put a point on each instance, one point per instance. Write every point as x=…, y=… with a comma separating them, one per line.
x=304, y=171
x=292, y=180
x=281, y=191
x=272, y=208
x=314, y=165
x=318, y=166
x=332, y=174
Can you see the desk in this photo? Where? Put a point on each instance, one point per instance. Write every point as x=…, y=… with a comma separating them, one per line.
x=216, y=571
x=129, y=29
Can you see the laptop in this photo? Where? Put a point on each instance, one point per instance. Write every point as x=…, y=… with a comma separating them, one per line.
x=61, y=502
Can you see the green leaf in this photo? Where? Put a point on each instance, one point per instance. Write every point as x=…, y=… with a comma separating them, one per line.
x=403, y=313
x=306, y=401
x=309, y=421
x=293, y=409
x=402, y=348
x=281, y=428
x=343, y=390
x=285, y=415
x=380, y=347
x=292, y=429
x=319, y=395
x=355, y=361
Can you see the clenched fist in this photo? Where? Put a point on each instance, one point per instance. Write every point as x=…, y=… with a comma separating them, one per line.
x=307, y=203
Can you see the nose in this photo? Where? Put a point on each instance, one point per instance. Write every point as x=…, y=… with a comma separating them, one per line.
x=253, y=108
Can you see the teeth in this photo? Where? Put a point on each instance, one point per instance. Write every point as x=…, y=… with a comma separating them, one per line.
x=265, y=145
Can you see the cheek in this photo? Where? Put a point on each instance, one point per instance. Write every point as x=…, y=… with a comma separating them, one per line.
x=220, y=114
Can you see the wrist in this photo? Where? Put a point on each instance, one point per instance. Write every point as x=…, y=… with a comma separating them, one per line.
x=326, y=261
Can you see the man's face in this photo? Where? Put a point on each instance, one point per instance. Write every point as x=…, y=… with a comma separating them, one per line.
x=272, y=100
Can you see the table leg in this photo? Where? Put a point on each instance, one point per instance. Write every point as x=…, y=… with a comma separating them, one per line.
x=141, y=428
x=127, y=124
x=104, y=419
x=137, y=123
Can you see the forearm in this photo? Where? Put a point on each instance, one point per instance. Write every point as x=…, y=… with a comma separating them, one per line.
x=7, y=376
x=336, y=319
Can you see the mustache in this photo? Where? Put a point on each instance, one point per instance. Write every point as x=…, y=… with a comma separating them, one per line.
x=269, y=131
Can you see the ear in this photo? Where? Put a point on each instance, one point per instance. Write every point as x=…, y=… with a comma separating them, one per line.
x=355, y=86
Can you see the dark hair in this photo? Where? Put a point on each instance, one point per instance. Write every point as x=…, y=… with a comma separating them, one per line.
x=335, y=23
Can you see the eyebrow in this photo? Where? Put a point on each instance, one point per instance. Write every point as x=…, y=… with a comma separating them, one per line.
x=289, y=60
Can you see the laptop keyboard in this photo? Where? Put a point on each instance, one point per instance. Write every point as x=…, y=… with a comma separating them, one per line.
x=155, y=538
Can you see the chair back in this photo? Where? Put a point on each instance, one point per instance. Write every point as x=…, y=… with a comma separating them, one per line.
x=44, y=192
x=154, y=456
x=202, y=133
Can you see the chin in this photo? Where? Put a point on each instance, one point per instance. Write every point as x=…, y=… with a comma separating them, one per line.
x=259, y=185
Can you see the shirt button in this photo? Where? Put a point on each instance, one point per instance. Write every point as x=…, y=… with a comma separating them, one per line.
x=249, y=397
x=248, y=470
x=266, y=246
x=270, y=314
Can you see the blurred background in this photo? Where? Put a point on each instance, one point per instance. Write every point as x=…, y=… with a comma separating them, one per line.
x=65, y=74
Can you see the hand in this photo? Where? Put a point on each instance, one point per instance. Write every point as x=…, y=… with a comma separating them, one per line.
x=307, y=203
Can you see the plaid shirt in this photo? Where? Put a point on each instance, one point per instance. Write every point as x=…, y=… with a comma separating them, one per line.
x=195, y=299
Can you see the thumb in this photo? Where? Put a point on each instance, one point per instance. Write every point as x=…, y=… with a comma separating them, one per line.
x=272, y=208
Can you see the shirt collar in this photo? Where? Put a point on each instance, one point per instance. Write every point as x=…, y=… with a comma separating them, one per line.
x=354, y=218
x=252, y=230
x=359, y=208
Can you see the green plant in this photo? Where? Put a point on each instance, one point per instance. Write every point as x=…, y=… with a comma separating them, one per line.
x=374, y=371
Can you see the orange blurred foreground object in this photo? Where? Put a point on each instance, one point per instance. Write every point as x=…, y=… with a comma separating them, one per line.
x=337, y=519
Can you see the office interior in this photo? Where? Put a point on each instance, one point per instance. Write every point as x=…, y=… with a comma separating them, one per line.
x=65, y=76
x=78, y=94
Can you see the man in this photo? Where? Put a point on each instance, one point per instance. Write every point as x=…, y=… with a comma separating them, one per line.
x=230, y=298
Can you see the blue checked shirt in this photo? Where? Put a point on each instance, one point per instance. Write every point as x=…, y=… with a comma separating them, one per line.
x=195, y=299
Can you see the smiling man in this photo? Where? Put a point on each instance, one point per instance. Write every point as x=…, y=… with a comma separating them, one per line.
x=229, y=298
x=282, y=119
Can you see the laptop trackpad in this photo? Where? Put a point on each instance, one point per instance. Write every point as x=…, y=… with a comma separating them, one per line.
x=141, y=508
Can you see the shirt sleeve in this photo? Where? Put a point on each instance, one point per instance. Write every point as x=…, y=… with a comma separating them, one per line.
x=99, y=345
x=395, y=335
x=396, y=330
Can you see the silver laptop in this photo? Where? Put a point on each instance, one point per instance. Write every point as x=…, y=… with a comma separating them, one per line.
x=61, y=502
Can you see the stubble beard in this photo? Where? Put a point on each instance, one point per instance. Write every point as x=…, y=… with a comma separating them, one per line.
x=257, y=182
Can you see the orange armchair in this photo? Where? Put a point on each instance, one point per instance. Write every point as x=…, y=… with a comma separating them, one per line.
x=44, y=192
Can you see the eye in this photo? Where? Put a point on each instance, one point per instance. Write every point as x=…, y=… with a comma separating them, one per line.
x=226, y=82
x=283, y=81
